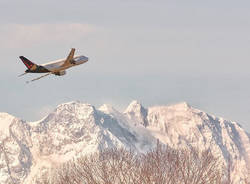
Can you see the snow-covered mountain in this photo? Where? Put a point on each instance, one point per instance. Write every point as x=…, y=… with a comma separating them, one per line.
x=29, y=149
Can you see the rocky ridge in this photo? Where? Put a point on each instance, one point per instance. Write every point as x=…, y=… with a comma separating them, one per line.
x=74, y=129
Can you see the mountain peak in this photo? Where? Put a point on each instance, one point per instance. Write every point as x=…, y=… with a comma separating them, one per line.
x=135, y=102
x=69, y=103
x=133, y=106
x=70, y=110
x=107, y=108
x=5, y=121
x=75, y=104
x=135, y=111
x=4, y=115
x=181, y=105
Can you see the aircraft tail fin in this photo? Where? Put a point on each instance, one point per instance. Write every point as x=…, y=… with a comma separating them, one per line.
x=27, y=63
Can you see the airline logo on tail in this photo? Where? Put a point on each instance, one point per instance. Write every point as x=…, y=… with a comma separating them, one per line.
x=31, y=66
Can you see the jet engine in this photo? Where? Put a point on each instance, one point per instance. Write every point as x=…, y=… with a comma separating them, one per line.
x=60, y=73
x=72, y=61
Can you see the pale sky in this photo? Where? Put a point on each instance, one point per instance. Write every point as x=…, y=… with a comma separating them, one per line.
x=159, y=52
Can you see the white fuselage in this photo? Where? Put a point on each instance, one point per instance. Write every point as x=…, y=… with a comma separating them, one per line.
x=58, y=65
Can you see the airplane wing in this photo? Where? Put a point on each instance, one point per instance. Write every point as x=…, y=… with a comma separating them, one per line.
x=38, y=77
x=69, y=58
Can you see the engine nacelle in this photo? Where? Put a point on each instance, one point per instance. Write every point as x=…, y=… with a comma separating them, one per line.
x=60, y=73
x=72, y=61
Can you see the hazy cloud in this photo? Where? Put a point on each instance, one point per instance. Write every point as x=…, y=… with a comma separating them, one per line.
x=20, y=35
x=157, y=52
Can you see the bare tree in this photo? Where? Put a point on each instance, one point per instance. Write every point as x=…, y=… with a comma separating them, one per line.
x=162, y=165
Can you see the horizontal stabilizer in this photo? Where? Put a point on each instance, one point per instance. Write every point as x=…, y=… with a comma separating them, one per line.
x=38, y=78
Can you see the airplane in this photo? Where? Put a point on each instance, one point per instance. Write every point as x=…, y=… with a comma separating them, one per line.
x=57, y=67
